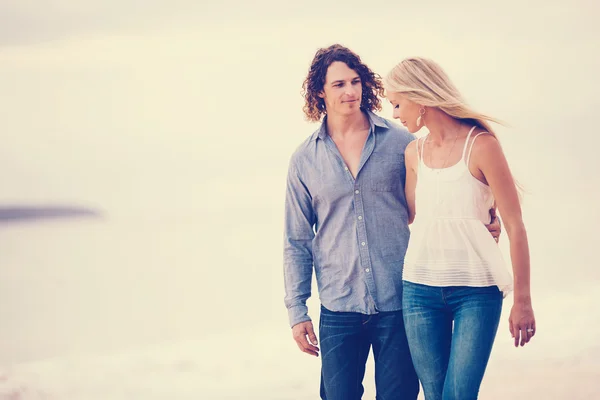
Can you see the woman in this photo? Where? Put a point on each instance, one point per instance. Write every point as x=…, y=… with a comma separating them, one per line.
x=454, y=274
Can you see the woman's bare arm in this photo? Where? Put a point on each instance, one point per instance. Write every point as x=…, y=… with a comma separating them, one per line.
x=489, y=158
x=410, y=161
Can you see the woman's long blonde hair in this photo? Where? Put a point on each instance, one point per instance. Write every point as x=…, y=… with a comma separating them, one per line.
x=424, y=82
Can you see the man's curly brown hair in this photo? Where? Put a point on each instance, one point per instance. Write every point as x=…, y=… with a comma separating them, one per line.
x=372, y=87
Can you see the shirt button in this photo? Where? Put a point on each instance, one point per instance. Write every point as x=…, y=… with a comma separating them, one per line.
x=346, y=168
x=356, y=191
x=367, y=270
x=360, y=217
x=363, y=243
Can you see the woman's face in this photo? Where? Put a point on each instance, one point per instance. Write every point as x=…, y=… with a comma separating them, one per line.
x=406, y=111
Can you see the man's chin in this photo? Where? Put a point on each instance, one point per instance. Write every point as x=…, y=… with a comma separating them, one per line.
x=351, y=110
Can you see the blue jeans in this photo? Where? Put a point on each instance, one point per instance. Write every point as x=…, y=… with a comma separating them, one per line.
x=450, y=361
x=346, y=339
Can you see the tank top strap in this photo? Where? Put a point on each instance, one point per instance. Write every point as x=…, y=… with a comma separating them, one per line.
x=420, y=153
x=471, y=147
x=464, y=152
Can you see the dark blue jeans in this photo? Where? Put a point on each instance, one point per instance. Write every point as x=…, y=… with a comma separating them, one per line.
x=346, y=339
x=451, y=361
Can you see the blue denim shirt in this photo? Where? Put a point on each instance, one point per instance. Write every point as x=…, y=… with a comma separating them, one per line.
x=353, y=232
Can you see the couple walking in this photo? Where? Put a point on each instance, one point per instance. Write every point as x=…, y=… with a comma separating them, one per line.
x=426, y=299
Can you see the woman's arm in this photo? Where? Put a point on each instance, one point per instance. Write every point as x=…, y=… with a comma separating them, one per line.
x=489, y=158
x=410, y=161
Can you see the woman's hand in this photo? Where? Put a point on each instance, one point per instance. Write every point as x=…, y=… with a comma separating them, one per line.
x=521, y=322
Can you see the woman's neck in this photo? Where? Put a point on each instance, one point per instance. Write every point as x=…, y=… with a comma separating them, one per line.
x=443, y=128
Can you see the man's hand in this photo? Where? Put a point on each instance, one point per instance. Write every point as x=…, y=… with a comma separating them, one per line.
x=494, y=226
x=300, y=332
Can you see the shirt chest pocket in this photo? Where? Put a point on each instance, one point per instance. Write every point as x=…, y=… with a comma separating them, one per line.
x=387, y=174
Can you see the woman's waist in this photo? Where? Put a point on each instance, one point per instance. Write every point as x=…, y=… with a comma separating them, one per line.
x=452, y=217
x=455, y=236
x=446, y=260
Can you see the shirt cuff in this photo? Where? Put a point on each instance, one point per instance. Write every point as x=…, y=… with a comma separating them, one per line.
x=298, y=314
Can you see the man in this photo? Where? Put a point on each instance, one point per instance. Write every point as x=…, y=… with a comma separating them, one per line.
x=346, y=217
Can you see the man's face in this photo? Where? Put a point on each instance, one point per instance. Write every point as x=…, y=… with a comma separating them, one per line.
x=342, y=90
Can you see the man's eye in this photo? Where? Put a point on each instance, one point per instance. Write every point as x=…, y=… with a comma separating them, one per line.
x=397, y=106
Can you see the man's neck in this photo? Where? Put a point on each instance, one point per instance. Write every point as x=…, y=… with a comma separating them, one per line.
x=347, y=125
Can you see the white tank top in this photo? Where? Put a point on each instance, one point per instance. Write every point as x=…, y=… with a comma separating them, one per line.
x=449, y=243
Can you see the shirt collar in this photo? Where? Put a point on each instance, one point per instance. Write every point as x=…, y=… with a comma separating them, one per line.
x=374, y=120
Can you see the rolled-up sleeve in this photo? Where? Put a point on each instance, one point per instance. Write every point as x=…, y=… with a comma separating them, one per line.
x=297, y=254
